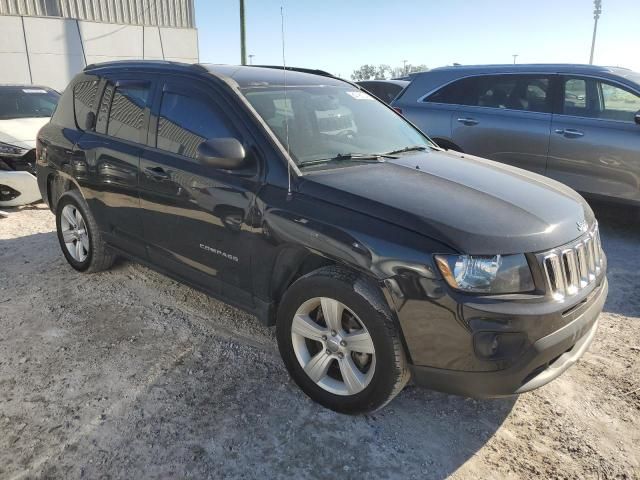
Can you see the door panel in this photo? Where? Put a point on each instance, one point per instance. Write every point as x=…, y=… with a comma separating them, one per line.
x=434, y=119
x=194, y=216
x=113, y=156
x=506, y=118
x=595, y=144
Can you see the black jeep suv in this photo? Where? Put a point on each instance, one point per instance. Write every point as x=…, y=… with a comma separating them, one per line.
x=299, y=198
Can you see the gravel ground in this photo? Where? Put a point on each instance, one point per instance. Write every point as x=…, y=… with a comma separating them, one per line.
x=127, y=374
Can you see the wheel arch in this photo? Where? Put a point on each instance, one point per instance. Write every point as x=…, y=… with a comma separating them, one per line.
x=58, y=183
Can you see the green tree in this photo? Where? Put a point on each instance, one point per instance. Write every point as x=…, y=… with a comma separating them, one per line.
x=365, y=72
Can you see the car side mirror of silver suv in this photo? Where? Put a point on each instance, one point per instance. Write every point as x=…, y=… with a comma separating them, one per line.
x=637, y=117
x=224, y=153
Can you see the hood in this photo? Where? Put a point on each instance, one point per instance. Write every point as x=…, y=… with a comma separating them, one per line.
x=473, y=205
x=21, y=132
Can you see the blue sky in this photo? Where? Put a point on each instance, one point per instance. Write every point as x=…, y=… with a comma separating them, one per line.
x=339, y=36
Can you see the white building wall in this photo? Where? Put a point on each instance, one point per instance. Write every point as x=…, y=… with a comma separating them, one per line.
x=13, y=52
x=50, y=51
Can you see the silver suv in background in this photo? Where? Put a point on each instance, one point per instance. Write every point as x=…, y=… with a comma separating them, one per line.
x=579, y=124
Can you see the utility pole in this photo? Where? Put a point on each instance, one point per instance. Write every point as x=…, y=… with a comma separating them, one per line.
x=514, y=58
x=243, y=40
x=250, y=59
x=404, y=68
x=597, y=10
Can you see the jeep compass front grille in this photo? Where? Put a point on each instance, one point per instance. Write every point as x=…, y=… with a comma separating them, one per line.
x=573, y=267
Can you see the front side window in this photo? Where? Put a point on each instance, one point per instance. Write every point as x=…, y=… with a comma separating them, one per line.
x=617, y=103
x=592, y=98
x=27, y=102
x=126, y=116
x=325, y=121
x=185, y=122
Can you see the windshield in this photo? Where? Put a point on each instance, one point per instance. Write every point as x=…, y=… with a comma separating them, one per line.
x=27, y=102
x=325, y=122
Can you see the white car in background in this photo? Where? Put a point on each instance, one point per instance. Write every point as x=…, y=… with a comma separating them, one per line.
x=24, y=109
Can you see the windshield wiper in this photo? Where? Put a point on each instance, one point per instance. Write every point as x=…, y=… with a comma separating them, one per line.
x=414, y=148
x=360, y=157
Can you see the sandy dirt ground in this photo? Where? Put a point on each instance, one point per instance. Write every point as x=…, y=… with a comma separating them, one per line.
x=127, y=374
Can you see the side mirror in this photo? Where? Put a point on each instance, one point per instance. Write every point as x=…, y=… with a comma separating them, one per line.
x=224, y=153
x=89, y=121
x=637, y=117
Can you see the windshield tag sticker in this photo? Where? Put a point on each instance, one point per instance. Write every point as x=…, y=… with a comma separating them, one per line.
x=360, y=95
x=33, y=90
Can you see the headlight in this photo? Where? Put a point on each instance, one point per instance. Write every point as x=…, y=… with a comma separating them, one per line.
x=11, y=150
x=482, y=274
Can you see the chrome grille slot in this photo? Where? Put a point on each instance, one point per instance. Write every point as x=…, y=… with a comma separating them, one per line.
x=582, y=265
x=571, y=268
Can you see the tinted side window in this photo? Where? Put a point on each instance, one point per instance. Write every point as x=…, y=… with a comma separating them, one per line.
x=185, y=122
x=460, y=92
x=515, y=92
x=103, y=111
x=389, y=92
x=575, y=97
x=126, y=115
x=84, y=95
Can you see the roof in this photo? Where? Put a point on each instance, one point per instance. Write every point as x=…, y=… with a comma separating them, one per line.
x=249, y=76
x=243, y=75
x=538, y=67
x=394, y=81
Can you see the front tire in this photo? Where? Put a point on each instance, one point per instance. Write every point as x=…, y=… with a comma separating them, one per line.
x=339, y=342
x=79, y=236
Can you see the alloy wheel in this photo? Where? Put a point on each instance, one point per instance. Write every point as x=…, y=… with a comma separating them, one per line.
x=74, y=233
x=333, y=346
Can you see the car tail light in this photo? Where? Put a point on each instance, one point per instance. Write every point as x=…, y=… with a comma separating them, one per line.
x=398, y=109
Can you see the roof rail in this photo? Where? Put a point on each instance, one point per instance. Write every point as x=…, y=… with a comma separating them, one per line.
x=298, y=69
x=124, y=63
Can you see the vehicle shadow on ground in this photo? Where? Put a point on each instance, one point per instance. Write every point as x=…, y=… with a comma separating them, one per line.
x=181, y=401
x=220, y=416
x=620, y=232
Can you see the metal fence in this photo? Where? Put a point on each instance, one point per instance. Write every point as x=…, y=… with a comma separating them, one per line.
x=163, y=13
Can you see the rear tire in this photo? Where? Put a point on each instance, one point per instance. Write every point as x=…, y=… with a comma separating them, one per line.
x=339, y=342
x=79, y=236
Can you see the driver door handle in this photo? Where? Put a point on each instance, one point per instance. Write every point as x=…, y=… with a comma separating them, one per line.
x=569, y=132
x=468, y=121
x=157, y=173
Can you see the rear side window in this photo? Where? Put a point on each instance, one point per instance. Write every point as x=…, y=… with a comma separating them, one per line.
x=515, y=92
x=460, y=92
x=126, y=116
x=185, y=122
x=575, y=97
x=84, y=96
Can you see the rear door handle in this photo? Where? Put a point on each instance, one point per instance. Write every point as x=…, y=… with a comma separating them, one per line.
x=157, y=173
x=569, y=132
x=468, y=121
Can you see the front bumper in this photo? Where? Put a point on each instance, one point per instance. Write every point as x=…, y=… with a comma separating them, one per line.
x=18, y=188
x=544, y=360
